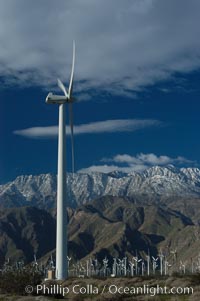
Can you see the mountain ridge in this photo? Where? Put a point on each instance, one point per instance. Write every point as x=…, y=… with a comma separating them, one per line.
x=153, y=183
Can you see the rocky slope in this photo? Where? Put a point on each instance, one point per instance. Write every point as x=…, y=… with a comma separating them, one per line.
x=113, y=226
x=109, y=226
x=25, y=231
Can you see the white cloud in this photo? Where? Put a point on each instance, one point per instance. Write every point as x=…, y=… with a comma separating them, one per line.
x=103, y=168
x=140, y=162
x=106, y=126
x=121, y=45
x=109, y=168
x=147, y=159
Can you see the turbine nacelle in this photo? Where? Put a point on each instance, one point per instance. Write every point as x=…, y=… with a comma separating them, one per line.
x=56, y=99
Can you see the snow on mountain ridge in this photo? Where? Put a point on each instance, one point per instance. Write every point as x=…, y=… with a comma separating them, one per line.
x=164, y=181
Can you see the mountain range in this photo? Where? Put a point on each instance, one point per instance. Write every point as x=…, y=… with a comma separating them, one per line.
x=113, y=214
x=155, y=183
x=109, y=226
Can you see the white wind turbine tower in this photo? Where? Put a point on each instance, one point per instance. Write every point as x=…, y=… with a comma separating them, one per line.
x=155, y=265
x=148, y=263
x=161, y=256
x=61, y=232
x=174, y=252
x=136, y=263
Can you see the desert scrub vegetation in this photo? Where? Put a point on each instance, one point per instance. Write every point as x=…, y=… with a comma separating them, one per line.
x=13, y=282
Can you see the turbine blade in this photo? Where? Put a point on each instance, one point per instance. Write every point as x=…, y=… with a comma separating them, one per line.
x=62, y=87
x=70, y=90
x=72, y=132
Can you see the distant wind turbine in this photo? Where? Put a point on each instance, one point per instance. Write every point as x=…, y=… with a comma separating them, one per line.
x=61, y=233
x=174, y=252
x=161, y=256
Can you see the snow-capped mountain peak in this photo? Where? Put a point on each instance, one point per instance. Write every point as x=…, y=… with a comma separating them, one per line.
x=156, y=181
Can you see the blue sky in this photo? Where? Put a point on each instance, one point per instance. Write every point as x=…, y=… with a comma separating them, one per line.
x=137, y=77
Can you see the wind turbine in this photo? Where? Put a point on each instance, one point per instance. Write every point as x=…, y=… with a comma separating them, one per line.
x=148, y=263
x=61, y=233
x=66, y=98
x=132, y=266
x=137, y=260
x=174, y=252
x=161, y=256
x=155, y=265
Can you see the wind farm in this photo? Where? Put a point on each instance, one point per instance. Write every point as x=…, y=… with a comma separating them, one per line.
x=118, y=220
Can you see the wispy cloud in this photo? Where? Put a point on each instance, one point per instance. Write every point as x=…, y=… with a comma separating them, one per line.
x=127, y=163
x=106, y=126
x=139, y=42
